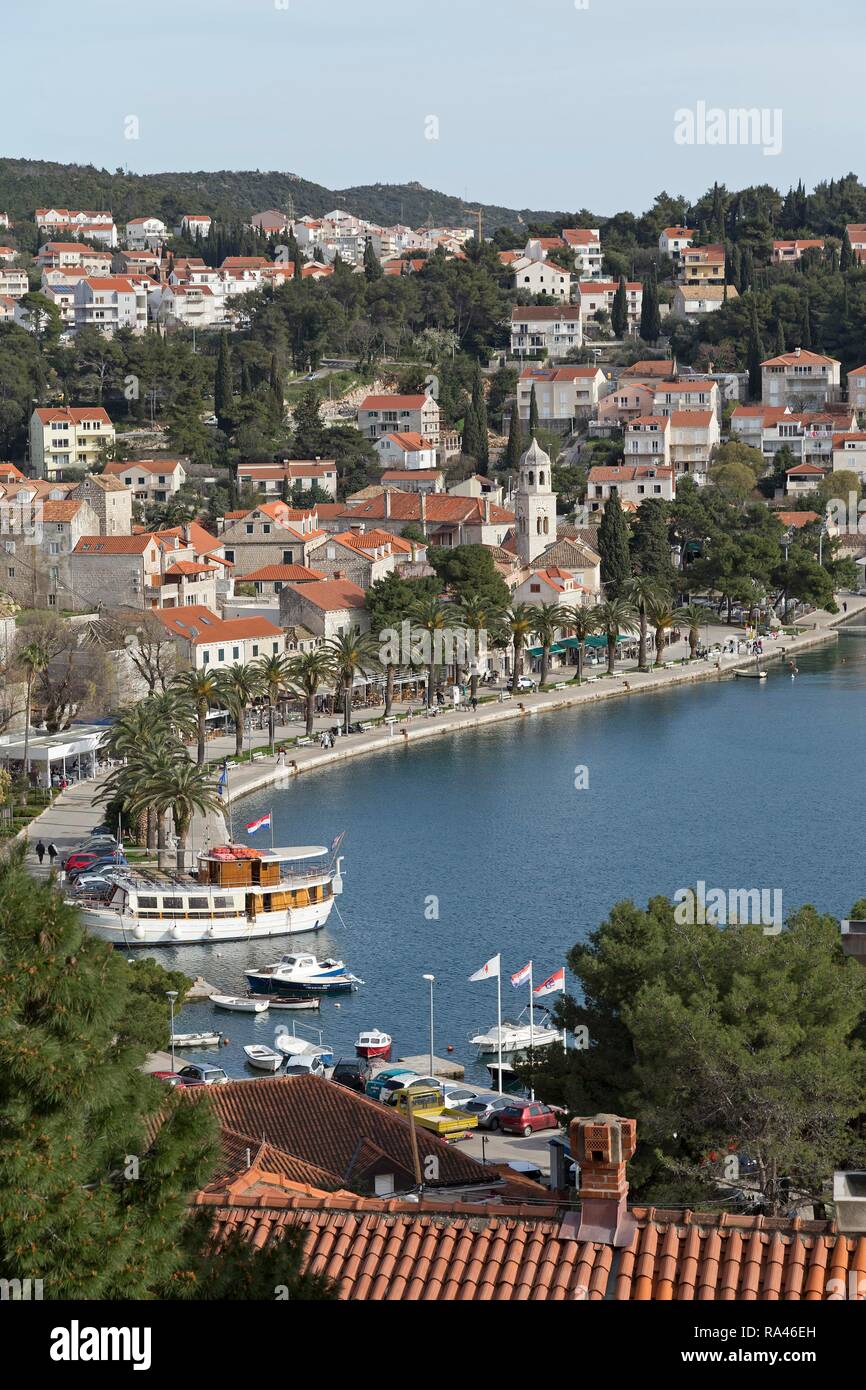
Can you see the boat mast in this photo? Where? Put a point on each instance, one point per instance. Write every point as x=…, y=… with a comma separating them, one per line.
x=531, y=1037
x=499, y=1016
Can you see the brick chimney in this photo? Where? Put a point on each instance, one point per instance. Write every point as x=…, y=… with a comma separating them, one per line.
x=601, y=1146
x=486, y=509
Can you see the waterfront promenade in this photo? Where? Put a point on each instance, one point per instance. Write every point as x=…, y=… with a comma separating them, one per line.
x=72, y=813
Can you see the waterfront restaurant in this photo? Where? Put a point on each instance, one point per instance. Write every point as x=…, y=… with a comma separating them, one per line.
x=71, y=754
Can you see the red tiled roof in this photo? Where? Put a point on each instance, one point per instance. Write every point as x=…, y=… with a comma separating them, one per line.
x=393, y=402
x=208, y=627
x=297, y=574
x=547, y=313
x=394, y=1250
x=797, y=519
x=332, y=594
x=792, y=359
x=115, y=545
x=410, y=441
x=72, y=414
x=60, y=511
x=439, y=507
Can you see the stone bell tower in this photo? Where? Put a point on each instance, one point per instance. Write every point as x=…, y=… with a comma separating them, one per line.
x=534, y=504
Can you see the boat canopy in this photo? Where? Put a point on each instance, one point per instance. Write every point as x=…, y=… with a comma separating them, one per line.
x=295, y=852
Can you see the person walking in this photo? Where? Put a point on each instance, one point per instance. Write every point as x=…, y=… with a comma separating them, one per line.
x=40, y=851
x=52, y=853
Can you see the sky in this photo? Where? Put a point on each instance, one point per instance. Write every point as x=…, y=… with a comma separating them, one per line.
x=545, y=104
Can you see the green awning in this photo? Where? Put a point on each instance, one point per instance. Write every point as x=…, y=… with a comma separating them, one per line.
x=596, y=640
x=556, y=650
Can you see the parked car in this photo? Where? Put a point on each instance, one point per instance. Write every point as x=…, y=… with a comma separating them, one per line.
x=171, y=1078
x=353, y=1072
x=454, y=1094
x=526, y=683
x=96, y=866
x=486, y=1109
x=202, y=1075
x=391, y=1079
x=93, y=885
x=526, y=1117
x=91, y=849
x=304, y=1064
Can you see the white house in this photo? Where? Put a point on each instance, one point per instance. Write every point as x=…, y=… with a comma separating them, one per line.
x=801, y=379
x=694, y=436
x=405, y=451
x=192, y=305
x=546, y=328
x=13, y=282
x=857, y=387
x=195, y=224
x=674, y=240
x=415, y=414
x=562, y=394
x=150, y=480
x=327, y=607
x=849, y=452
x=693, y=302
x=633, y=482
x=541, y=277
x=109, y=303
x=597, y=296
x=145, y=233
x=647, y=440
x=585, y=242
x=209, y=642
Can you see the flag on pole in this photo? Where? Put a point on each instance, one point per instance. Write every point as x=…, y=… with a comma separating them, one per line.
x=490, y=971
x=338, y=840
x=522, y=976
x=261, y=824
x=552, y=985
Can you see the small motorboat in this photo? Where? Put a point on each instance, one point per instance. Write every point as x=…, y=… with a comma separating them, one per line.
x=239, y=1005
x=290, y=1045
x=373, y=1043
x=280, y=1001
x=758, y=675
x=263, y=1058
x=302, y=974
x=196, y=1040
x=516, y=1037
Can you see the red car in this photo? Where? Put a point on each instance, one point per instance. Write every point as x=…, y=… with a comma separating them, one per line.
x=527, y=1116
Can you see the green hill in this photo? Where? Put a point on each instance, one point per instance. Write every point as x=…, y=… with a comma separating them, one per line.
x=231, y=196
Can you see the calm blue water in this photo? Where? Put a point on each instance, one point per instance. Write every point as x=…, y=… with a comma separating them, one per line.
x=738, y=783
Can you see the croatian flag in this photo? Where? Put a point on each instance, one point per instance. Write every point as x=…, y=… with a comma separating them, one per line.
x=262, y=823
x=522, y=977
x=552, y=985
x=490, y=971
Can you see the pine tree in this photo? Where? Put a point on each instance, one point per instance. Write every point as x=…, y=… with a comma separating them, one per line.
x=309, y=441
x=613, y=547
x=223, y=393
x=88, y=1202
x=533, y=412
x=780, y=338
x=514, y=447
x=619, y=310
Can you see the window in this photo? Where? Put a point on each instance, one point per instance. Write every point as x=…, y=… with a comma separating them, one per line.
x=221, y=654
x=236, y=651
x=230, y=556
x=205, y=658
x=255, y=648
x=249, y=528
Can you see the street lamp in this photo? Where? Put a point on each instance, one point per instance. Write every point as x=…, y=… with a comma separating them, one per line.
x=172, y=995
x=431, y=980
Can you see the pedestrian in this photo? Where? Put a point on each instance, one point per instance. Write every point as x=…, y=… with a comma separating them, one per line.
x=52, y=853
x=844, y=608
x=40, y=851
x=474, y=703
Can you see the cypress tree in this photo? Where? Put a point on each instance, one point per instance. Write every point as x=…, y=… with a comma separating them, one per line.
x=276, y=387
x=619, y=310
x=223, y=393
x=479, y=405
x=533, y=412
x=372, y=268
x=806, y=324
x=246, y=380
x=613, y=547
x=780, y=338
x=846, y=255
x=754, y=356
x=748, y=272
x=470, y=441
x=309, y=441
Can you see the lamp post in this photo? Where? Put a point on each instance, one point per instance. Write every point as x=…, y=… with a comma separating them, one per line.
x=431, y=980
x=172, y=995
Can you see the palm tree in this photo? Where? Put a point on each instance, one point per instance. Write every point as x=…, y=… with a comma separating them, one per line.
x=272, y=678
x=239, y=685
x=141, y=735
x=520, y=620
x=643, y=590
x=173, y=709
x=583, y=622
x=475, y=614
x=306, y=672
x=34, y=658
x=430, y=617
x=614, y=616
x=202, y=689
x=549, y=618
x=662, y=617
x=183, y=788
x=352, y=653
x=693, y=615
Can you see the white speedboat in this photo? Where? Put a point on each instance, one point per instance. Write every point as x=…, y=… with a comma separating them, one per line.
x=236, y=894
x=516, y=1037
x=373, y=1043
x=292, y=1046
x=239, y=1004
x=263, y=1058
x=300, y=975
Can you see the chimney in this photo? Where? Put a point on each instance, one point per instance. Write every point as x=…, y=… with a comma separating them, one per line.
x=601, y=1146
x=387, y=496
x=486, y=509
x=422, y=512
x=797, y=351
x=849, y=1199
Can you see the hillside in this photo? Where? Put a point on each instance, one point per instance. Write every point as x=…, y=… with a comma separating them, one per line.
x=231, y=196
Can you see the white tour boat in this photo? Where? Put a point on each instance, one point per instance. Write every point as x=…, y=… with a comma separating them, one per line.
x=516, y=1037
x=237, y=894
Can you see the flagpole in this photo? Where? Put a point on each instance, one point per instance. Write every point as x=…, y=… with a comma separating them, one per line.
x=499, y=1016
x=271, y=813
x=531, y=1037
x=229, y=805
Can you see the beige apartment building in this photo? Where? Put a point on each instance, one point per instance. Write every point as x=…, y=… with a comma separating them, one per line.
x=68, y=437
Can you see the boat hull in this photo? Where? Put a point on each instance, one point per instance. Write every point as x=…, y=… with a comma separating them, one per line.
x=260, y=982
x=370, y=1052
x=121, y=929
